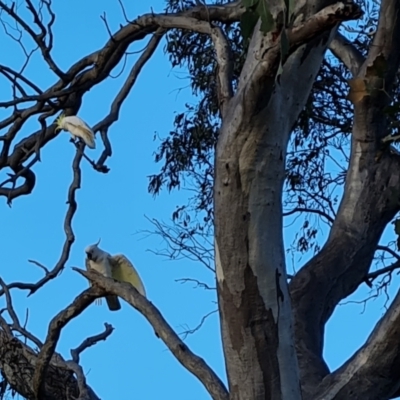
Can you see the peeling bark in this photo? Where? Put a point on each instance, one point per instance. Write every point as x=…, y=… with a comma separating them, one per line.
x=17, y=363
x=255, y=306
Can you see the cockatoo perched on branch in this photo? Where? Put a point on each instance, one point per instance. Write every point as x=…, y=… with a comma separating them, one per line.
x=117, y=267
x=77, y=128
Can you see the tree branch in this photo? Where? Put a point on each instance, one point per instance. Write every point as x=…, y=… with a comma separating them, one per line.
x=24, y=370
x=309, y=210
x=347, y=53
x=16, y=326
x=69, y=234
x=189, y=331
x=91, y=341
x=259, y=71
x=386, y=41
x=322, y=21
x=37, y=38
x=225, y=67
x=390, y=268
x=15, y=356
x=67, y=93
x=388, y=250
x=53, y=334
x=179, y=349
x=113, y=115
x=374, y=371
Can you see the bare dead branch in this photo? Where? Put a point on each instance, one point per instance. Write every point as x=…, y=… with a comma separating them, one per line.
x=70, y=237
x=388, y=250
x=37, y=38
x=189, y=360
x=10, y=307
x=309, y=210
x=113, y=115
x=85, y=393
x=16, y=325
x=17, y=356
x=347, y=53
x=390, y=268
x=198, y=283
x=188, y=332
x=183, y=242
x=91, y=341
x=22, y=190
x=53, y=334
x=104, y=19
x=67, y=93
x=43, y=267
x=26, y=334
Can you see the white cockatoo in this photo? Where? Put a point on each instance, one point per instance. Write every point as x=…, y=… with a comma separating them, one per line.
x=117, y=267
x=77, y=128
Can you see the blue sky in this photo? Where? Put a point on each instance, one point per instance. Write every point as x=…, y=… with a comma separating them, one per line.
x=132, y=362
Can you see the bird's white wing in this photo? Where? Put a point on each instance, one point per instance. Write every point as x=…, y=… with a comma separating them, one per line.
x=73, y=119
x=88, y=268
x=87, y=264
x=112, y=301
x=122, y=270
x=80, y=128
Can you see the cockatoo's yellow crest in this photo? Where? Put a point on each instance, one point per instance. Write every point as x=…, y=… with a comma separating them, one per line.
x=59, y=122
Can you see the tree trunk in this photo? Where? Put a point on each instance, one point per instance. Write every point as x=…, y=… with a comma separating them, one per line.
x=254, y=301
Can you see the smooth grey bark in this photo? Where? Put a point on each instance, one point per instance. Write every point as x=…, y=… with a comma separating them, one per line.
x=254, y=301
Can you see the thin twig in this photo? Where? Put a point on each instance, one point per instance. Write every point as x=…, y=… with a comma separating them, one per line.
x=188, y=332
x=91, y=341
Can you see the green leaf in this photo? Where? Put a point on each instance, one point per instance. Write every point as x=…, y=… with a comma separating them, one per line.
x=248, y=21
x=267, y=20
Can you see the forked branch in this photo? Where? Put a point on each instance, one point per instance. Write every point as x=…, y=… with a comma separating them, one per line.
x=346, y=52
x=193, y=363
x=372, y=369
x=53, y=334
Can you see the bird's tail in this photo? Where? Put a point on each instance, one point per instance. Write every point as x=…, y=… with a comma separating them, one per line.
x=88, y=137
x=113, y=303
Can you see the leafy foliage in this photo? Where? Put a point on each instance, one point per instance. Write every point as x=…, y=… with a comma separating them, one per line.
x=318, y=152
x=187, y=152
